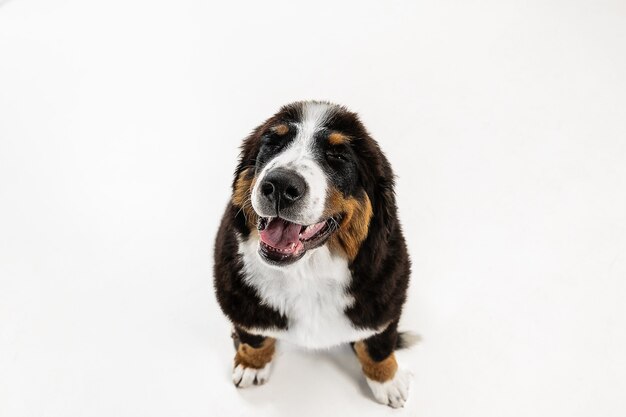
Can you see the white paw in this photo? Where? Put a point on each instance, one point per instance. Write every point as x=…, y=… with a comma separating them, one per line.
x=393, y=393
x=246, y=377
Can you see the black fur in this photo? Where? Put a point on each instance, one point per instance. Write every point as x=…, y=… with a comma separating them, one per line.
x=241, y=336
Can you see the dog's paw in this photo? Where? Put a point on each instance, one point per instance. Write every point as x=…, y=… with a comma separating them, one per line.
x=246, y=377
x=394, y=392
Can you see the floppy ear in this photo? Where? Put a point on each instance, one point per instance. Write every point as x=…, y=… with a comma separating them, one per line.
x=384, y=206
x=247, y=156
x=245, y=218
x=381, y=268
x=377, y=179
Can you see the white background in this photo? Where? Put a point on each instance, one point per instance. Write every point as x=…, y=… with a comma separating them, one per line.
x=119, y=126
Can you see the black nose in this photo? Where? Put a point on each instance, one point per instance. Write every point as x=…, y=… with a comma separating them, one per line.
x=283, y=187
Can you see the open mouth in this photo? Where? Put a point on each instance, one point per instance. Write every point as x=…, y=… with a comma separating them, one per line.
x=284, y=242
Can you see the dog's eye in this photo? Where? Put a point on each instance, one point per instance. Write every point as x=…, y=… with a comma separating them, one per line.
x=336, y=157
x=272, y=142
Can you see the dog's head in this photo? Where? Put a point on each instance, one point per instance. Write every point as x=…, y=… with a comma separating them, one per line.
x=310, y=176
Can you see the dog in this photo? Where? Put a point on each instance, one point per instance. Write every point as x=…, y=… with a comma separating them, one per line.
x=310, y=249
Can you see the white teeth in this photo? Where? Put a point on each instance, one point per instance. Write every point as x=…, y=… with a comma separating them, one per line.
x=272, y=248
x=303, y=232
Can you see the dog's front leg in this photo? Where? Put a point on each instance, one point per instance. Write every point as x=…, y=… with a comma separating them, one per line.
x=389, y=384
x=253, y=358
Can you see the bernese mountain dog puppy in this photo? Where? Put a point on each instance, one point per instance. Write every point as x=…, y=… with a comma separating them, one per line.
x=310, y=249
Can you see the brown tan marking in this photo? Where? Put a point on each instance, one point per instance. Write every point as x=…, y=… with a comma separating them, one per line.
x=281, y=129
x=381, y=371
x=242, y=197
x=256, y=358
x=337, y=138
x=357, y=214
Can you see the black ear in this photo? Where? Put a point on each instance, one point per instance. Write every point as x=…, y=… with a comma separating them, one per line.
x=382, y=266
x=248, y=151
x=375, y=175
x=378, y=180
x=243, y=215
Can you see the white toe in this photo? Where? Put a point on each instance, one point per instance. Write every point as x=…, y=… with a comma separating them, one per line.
x=237, y=374
x=394, y=392
x=246, y=377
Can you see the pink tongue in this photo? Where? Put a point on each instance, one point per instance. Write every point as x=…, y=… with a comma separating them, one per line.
x=281, y=234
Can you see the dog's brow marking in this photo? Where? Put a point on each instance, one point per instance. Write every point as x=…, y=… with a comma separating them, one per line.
x=281, y=129
x=337, y=138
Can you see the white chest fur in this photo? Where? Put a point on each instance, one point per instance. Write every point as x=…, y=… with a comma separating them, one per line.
x=311, y=293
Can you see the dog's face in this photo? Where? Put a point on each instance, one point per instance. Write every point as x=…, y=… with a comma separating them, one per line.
x=305, y=181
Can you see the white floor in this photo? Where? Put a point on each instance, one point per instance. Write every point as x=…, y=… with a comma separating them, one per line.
x=119, y=126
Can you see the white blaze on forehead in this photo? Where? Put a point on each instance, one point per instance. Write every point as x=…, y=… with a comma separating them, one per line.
x=300, y=157
x=313, y=117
